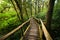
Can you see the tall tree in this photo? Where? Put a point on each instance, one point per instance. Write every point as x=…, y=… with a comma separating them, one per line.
x=25, y=7
x=19, y=4
x=38, y=5
x=42, y=5
x=16, y=8
x=49, y=14
x=35, y=6
x=31, y=7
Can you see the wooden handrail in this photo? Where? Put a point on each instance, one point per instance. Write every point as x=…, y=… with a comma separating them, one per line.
x=13, y=31
x=47, y=35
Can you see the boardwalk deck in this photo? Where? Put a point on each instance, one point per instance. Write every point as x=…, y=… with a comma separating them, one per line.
x=32, y=33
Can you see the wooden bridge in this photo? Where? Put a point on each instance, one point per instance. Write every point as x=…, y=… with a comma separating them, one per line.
x=34, y=31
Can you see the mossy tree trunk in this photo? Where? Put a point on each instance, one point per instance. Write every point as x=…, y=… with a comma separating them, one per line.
x=49, y=14
x=19, y=4
x=16, y=8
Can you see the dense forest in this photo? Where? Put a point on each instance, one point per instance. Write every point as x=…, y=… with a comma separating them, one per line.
x=15, y=12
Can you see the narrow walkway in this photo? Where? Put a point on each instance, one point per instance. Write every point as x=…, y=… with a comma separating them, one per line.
x=32, y=33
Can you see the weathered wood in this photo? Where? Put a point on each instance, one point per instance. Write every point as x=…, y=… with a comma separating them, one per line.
x=40, y=33
x=47, y=35
x=33, y=32
x=36, y=19
x=13, y=31
x=25, y=32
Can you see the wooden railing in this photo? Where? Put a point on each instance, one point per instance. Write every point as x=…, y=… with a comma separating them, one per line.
x=13, y=31
x=45, y=32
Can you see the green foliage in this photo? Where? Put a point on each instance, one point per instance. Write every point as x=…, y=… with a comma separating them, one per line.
x=8, y=20
x=56, y=16
x=41, y=15
x=56, y=21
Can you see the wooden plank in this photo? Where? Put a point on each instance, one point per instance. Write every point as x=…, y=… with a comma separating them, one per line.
x=13, y=31
x=40, y=30
x=32, y=33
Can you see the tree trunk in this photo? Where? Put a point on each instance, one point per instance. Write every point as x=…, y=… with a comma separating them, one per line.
x=20, y=8
x=49, y=14
x=38, y=6
x=25, y=6
x=35, y=7
x=31, y=7
x=16, y=8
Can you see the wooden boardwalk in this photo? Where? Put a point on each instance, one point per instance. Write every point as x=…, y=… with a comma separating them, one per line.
x=32, y=33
